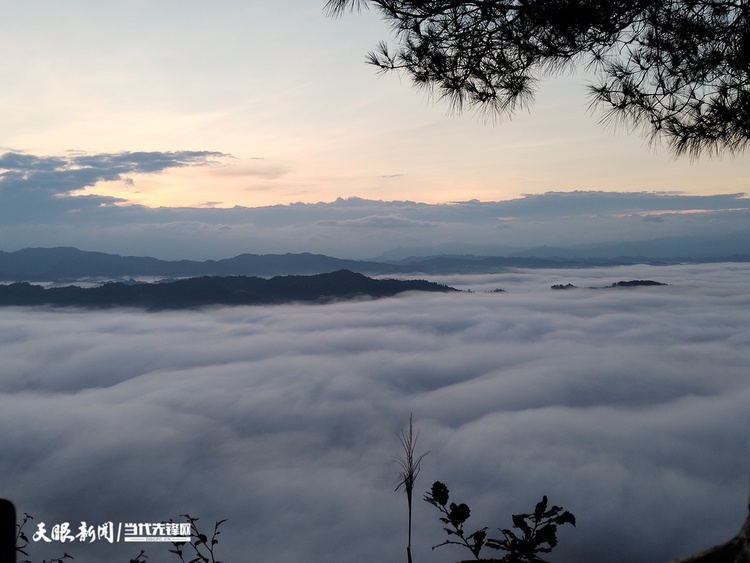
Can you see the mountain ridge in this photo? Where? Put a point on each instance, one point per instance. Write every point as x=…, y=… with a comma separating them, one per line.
x=61, y=264
x=215, y=291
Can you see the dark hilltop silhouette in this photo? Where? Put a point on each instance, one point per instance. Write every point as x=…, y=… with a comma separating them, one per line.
x=215, y=290
x=636, y=283
x=630, y=283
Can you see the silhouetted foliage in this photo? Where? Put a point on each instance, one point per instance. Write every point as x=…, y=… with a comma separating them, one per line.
x=22, y=543
x=538, y=529
x=680, y=69
x=202, y=546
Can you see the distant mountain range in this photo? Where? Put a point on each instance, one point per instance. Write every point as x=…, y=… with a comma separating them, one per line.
x=214, y=290
x=725, y=247
x=65, y=264
x=733, y=246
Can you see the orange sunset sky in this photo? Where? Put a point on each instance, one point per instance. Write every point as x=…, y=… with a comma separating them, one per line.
x=283, y=91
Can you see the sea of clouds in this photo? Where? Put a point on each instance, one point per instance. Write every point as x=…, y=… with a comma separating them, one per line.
x=629, y=407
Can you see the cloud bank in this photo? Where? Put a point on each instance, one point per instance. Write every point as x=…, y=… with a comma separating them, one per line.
x=627, y=407
x=41, y=205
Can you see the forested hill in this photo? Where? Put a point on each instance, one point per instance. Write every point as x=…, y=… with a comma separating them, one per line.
x=215, y=290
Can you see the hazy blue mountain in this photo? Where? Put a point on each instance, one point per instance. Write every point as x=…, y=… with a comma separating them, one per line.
x=66, y=263
x=469, y=263
x=215, y=290
x=729, y=246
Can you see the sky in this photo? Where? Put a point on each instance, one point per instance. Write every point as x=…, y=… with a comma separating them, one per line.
x=269, y=103
x=626, y=407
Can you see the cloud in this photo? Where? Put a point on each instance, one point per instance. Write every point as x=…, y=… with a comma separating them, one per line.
x=254, y=168
x=38, y=207
x=33, y=187
x=654, y=218
x=582, y=203
x=378, y=222
x=628, y=407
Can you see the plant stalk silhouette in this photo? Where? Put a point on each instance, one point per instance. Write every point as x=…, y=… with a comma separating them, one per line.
x=410, y=467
